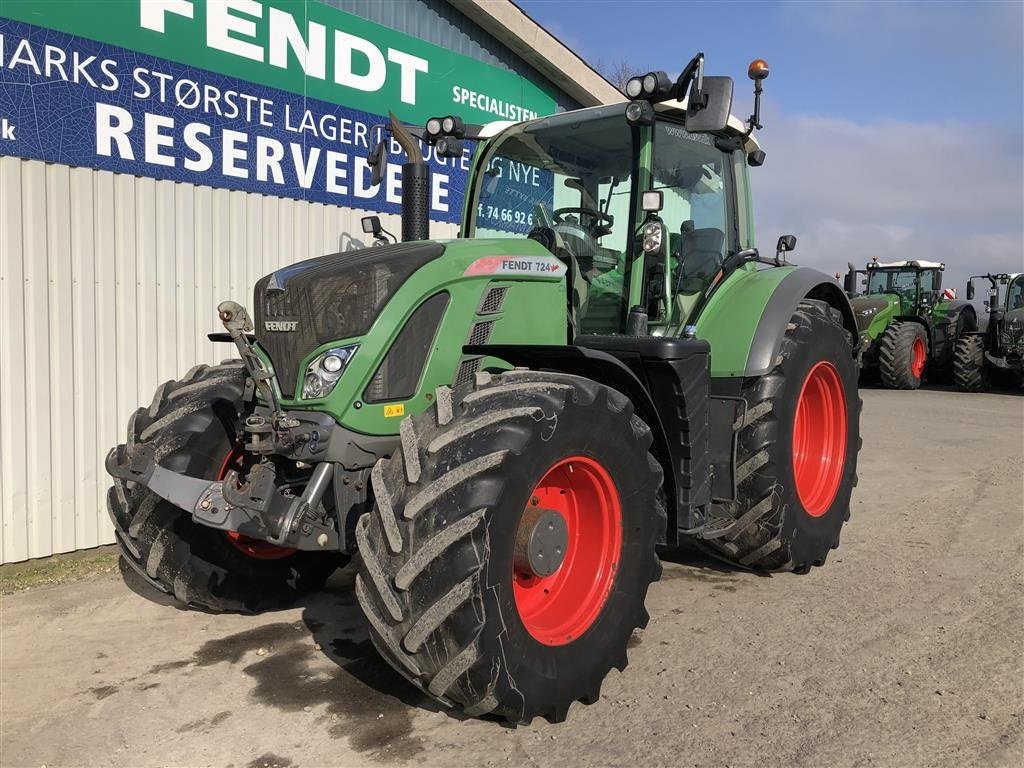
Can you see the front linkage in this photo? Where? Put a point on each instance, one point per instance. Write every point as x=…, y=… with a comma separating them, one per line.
x=258, y=508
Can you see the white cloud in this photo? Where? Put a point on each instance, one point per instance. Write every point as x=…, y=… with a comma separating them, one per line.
x=897, y=190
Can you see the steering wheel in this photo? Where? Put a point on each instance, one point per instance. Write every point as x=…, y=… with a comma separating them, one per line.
x=595, y=216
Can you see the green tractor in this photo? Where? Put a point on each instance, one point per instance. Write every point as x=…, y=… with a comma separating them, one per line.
x=999, y=349
x=509, y=426
x=908, y=325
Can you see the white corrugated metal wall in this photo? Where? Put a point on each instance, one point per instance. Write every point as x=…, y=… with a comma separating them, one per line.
x=108, y=287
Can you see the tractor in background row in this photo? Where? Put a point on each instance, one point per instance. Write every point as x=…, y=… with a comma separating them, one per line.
x=508, y=426
x=907, y=324
x=998, y=351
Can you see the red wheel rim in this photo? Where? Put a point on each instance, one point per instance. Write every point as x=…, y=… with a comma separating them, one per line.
x=819, y=439
x=255, y=548
x=917, y=357
x=559, y=608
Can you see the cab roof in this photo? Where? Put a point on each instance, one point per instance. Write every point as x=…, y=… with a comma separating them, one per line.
x=916, y=264
x=676, y=108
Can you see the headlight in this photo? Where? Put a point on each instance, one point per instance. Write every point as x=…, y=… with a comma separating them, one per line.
x=652, y=237
x=634, y=86
x=323, y=373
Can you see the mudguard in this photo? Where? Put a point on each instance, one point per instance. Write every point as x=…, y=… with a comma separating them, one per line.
x=746, y=317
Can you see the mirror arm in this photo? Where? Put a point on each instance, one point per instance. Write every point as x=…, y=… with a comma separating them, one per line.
x=694, y=70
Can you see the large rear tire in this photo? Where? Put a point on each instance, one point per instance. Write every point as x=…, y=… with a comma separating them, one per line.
x=452, y=600
x=193, y=427
x=796, y=453
x=902, y=355
x=969, y=364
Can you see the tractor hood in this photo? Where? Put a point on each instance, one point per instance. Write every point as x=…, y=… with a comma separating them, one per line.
x=867, y=308
x=301, y=306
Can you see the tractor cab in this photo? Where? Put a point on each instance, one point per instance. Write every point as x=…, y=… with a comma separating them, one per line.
x=574, y=184
x=916, y=284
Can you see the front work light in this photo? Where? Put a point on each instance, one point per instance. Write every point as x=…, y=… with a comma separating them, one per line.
x=324, y=372
x=639, y=112
x=634, y=87
x=656, y=86
x=453, y=126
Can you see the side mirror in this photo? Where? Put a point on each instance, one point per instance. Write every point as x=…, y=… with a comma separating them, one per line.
x=709, y=110
x=786, y=244
x=970, y=290
x=377, y=159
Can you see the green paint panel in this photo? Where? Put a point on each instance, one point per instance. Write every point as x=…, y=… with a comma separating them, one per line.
x=533, y=312
x=731, y=317
x=353, y=62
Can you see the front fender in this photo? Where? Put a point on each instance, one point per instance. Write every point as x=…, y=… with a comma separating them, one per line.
x=746, y=318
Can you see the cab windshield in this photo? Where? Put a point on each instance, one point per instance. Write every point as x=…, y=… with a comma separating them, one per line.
x=892, y=281
x=567, y=183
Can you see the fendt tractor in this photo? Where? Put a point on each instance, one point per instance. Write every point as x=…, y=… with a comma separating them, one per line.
x=907, y=324
x=998, y=351
x=509, y=426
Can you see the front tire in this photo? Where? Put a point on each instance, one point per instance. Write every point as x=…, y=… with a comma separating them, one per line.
x=192, y=424
x=902, y=355
x=969, y=364
x=796, y=455
x=443, y=584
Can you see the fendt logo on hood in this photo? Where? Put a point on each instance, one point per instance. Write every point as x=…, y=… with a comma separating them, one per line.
x=281, y=325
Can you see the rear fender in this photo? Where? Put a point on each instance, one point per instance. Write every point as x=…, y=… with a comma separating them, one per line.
x=747, y=317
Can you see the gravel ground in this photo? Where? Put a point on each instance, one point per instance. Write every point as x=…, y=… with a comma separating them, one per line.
x=904, y=650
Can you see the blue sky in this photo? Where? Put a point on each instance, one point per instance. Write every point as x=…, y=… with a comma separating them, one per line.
x=892, y=129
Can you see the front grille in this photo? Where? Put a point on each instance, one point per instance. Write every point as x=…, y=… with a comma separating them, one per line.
x=399, y=373
x=300, y=307
x=492, y=300
x=480, y=334
x=467, y=370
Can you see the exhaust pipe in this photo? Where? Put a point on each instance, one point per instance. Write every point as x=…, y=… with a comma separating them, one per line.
x=415, y=186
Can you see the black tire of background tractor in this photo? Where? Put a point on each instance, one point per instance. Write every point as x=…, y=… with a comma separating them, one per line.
x=895, y=355
x=772, y=531
x=969, y=364
x=192, y=425
x=437, y=589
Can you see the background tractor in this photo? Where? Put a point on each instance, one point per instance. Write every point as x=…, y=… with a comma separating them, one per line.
x=999, y=349
x=907, y=325
x=507, y=426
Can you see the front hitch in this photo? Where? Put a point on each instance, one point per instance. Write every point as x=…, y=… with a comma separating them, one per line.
x=257, y=508
x=237, y=323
